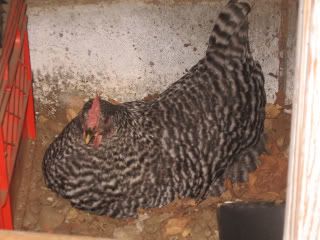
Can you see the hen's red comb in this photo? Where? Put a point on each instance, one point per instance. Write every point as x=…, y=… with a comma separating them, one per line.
x=94, y=113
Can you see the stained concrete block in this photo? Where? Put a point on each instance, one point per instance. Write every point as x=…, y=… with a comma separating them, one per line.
x=128, y=49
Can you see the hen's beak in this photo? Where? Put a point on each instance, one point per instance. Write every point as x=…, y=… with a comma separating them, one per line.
x=87, y=136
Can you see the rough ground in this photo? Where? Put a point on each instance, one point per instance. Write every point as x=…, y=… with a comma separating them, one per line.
x=39, y=209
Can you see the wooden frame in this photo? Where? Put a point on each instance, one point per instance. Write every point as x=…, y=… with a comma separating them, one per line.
x=20, y=235
x=303, y=191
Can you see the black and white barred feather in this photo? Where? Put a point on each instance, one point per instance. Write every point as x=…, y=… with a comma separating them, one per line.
x=206, y=127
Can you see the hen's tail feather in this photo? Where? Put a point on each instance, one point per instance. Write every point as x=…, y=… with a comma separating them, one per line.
x=239, y=43
x=231, y=20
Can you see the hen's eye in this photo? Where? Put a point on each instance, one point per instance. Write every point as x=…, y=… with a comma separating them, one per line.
x=89, y=131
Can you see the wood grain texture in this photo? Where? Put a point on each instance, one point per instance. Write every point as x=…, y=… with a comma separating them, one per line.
x=19, y=235
x=303, y=193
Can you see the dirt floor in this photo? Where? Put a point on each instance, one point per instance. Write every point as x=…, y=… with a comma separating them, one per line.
x=39, y=209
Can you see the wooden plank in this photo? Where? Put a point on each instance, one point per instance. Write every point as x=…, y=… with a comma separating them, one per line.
x=20, y=235
x=303, y=192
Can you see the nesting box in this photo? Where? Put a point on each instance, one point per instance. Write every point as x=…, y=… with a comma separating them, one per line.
x=124, y=51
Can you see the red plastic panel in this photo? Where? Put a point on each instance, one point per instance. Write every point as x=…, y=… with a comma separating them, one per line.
x=16, y=101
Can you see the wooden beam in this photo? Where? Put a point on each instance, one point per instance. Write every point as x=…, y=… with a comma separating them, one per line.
x=20, y=235
x=303, y=193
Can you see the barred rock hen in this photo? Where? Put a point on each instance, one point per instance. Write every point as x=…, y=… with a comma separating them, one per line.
x=206, y=127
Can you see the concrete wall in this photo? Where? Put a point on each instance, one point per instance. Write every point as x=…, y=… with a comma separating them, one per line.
x=128, y=49
x=292, y=20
